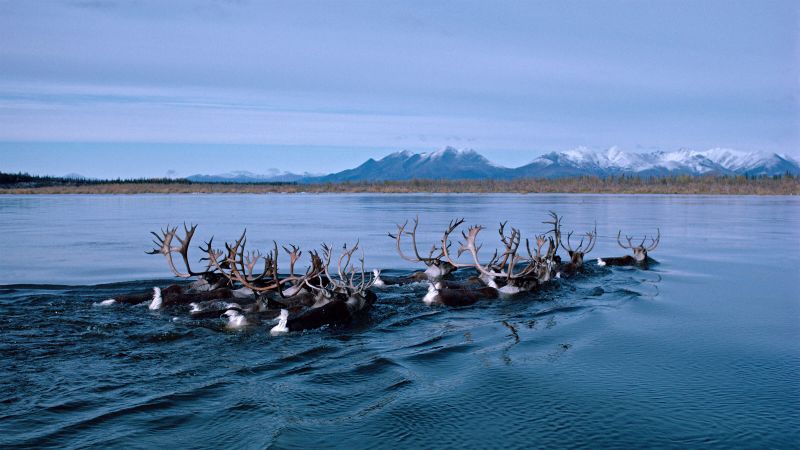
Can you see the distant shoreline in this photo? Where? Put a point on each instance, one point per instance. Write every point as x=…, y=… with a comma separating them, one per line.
x=680, y=185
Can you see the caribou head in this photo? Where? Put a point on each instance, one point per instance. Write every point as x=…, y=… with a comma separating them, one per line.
x=640, y=251
x=576, y=254
x=438, y=268
x=507, y=272
x=351, y=283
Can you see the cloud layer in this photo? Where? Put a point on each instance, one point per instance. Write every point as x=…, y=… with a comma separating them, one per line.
x=487, y=75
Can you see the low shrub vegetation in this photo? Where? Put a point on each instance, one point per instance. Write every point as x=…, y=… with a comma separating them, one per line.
x=681, y=184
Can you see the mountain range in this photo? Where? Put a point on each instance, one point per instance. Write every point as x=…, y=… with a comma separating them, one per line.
x=450, y=163
x=243, y=176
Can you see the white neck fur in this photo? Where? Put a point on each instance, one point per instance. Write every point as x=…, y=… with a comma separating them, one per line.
x=433, y=294
x=281, y=327
x=156, y=302
x=377, y=280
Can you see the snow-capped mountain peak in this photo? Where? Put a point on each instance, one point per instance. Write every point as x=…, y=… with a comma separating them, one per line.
x=452, y=153
x=610, y=158
x=728, y=158
x=451, y=163
x=612, y=161
x=448, y=162
x=243, y=176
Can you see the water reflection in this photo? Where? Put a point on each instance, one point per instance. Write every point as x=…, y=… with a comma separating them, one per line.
x=700, y=351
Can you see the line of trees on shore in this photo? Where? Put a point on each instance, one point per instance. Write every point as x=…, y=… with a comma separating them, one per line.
x=9, y=180
x=16, y=180
x=786, y=184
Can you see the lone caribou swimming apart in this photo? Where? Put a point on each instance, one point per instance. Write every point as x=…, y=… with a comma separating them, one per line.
x=639, y=258
x=246, y=288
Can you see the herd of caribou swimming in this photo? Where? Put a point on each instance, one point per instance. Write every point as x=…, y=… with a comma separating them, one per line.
x=246, y=287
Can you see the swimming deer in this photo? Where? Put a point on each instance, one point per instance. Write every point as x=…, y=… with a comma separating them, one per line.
x=576, y=254
x=213, y=287
x=454, y=293
x=550, y=262
x=343, y=297
x=272, y=294
x=639, y=258
x=292, y=291
x=164, y=245
x=442, y=294
x=232, y=274
x=545, y=262
x=500, y=272
x=437, y=267
x=494, y=274
x=154, y=297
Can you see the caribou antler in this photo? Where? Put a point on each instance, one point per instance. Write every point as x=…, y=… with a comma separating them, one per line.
x=556, y=223
x=236, y=262
x=653, y=241
x=511, y=242
x=541, y=239
x=347, y=273
x=294, y=255
x=454, y=224
x=470, y=247
x=163, y=245
x=239, y=264
x=212, y=257
x=401, y=230
x=590, y=235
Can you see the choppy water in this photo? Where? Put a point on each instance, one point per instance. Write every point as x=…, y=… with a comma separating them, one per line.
x=703, y=350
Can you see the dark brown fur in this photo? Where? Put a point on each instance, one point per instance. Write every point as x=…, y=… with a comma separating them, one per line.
x=465, y=297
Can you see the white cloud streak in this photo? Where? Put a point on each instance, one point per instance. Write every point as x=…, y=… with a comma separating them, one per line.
x=494, y=75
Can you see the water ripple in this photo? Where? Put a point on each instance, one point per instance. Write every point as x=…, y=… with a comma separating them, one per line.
x=560, y=367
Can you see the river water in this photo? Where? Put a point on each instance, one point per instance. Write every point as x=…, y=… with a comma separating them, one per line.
x=702, y=350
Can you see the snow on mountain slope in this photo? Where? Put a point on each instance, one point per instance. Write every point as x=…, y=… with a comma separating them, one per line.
x=614, y=161
x=446, y=163
x=450, y=163
x=244, y=176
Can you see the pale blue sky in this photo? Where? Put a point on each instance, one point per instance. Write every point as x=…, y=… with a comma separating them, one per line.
x=136, y=88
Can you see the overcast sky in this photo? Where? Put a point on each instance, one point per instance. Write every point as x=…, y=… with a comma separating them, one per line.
x=140, y=87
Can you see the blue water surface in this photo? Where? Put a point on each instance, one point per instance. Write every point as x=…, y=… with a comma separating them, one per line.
x=702, y=350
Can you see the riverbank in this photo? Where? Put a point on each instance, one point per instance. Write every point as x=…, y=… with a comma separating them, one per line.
x=583, y=185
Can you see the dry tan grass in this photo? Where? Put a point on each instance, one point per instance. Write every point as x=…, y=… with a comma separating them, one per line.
x=673, y=185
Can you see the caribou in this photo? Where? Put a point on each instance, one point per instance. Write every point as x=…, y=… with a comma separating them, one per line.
x=341, y=300
x=437, y=268
x=639, y=258
x=505, y=274
x=246, y=287
x=576, y=254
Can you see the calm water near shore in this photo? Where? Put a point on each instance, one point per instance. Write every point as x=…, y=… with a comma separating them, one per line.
x=703, y=350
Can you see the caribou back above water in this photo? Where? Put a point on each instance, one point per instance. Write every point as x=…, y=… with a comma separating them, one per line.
x=233, y=285
x=639, y=257
x=341, y=300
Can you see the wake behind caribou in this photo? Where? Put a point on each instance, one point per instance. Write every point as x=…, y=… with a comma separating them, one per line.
x=246, y=288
